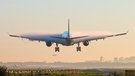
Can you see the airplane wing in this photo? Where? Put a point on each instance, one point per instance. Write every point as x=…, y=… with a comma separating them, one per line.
x=40, y=37
x=96, y=36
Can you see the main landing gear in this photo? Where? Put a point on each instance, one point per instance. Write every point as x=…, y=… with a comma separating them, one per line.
x=56, y=48
x=78, y=48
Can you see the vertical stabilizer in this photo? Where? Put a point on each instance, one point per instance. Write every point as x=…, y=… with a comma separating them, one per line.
x=68, y=28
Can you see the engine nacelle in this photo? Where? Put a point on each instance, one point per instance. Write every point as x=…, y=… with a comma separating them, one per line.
x=48, y=44
x=86, y=43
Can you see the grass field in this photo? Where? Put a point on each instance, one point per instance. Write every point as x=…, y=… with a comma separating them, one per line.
x=54, y=73
x=64, y=73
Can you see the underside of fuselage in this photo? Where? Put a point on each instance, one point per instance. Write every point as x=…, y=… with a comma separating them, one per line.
x=68, y=42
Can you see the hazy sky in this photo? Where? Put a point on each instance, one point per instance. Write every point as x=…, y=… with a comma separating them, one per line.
x=18, y=16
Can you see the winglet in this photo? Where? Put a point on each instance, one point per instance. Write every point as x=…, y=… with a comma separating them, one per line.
x=127, y=31
x=13, y=35
x=8, y=34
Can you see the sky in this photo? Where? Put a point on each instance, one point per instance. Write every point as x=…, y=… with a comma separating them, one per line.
x=21, y=16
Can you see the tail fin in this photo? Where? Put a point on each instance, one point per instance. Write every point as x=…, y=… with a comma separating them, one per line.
x=68, y=28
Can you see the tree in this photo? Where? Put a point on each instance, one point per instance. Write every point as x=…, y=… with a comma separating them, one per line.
x=3, y=70
x=115, y=73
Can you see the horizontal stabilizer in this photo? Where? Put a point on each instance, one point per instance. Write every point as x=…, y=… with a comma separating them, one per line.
x=70, y=38
x=58, y=37
x=79, y=37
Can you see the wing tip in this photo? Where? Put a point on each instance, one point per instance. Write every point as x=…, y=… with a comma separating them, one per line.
x=127, y=31
x=8, y=33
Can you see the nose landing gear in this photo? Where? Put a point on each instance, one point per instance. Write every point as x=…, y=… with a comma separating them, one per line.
x=78, y=48
x=56, y=48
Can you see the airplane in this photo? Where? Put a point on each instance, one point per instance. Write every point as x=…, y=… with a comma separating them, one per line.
x=66, y=38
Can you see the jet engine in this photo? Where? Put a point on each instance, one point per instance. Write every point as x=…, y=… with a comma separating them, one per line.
x=48, y=44
x=86, y=43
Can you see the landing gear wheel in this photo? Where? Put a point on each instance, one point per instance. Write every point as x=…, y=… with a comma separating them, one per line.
x=78, y=49
x=56, y=49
